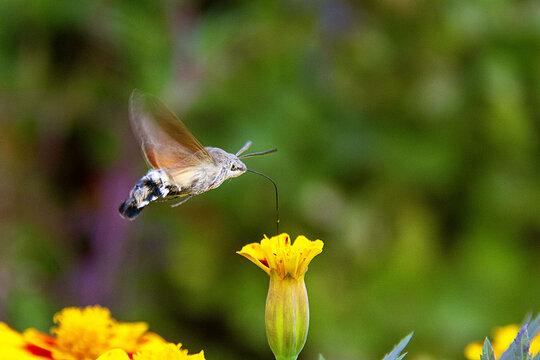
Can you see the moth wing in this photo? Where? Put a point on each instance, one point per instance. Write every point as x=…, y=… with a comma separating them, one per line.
x=184, y=175
x=165, y=140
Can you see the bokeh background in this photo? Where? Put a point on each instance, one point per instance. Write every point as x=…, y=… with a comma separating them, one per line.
x=409, y=141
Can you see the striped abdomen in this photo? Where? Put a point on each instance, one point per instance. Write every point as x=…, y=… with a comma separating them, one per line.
x=150, y=187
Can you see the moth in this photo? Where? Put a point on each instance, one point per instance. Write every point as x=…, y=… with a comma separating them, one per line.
x=181, y=166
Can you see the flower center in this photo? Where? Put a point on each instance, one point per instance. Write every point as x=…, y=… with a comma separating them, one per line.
x=84, y=334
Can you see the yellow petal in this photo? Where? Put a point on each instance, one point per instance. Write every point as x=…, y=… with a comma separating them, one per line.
x=307, y=251
x=149, y=340
x=9, y=337
x=38, y=338
x=198, y=356
x=254, y=253
x=473, y=351
x=167, y=351
x=115, y=354
x=535, y=345
x=279, y=254
x=127, y=335
x=503, y=337
x=13, y=346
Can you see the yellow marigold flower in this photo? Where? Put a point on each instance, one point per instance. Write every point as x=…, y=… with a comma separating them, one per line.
x=502, y=338
x=157, y=352
x=287, y=306
x=278, y=254
x=79, y=334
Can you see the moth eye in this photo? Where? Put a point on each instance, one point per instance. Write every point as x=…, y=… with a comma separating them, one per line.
x=234, y=168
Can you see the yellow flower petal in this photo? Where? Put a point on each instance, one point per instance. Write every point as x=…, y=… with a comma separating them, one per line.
x=9, y=337
x=115, y=354
x=127, y=335
x=279, y=254
x=535, y=345
x=149, y=340
x=13, y=346
x=503, y=337
x=198, y=356
x=39, y=339
x=473, y=351
x=167, y=351
x=162, y=352
x=256, y=255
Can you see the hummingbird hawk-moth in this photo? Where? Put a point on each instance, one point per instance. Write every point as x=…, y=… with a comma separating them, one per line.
x=181, y=166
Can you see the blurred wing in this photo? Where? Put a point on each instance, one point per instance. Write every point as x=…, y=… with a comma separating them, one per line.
x=184, y=176
x=165, y=140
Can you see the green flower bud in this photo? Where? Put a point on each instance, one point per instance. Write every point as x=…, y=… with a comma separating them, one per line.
x=286, y=316
x=287, y=307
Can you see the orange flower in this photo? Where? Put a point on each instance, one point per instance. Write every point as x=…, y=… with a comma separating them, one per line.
x=79, y=334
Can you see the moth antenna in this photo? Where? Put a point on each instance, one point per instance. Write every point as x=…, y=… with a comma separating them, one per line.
x=257, y=153
x=277, y=198
x=244, y=148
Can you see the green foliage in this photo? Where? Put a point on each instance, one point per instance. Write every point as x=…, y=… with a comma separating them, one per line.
x=533, y=327
x=487, y=351
x=519, y=348
x=396, y=353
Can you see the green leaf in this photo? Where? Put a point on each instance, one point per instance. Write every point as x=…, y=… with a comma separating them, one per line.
x=321, y=357
x=519, y=349
x=534, y=327
x=395, y=354
x=487, y=351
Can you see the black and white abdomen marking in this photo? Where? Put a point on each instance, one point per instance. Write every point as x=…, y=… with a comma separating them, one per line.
x=150, y=187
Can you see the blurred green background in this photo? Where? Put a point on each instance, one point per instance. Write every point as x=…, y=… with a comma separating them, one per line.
x=409, y=142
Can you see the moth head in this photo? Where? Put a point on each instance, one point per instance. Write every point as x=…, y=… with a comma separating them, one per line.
x=236, y=167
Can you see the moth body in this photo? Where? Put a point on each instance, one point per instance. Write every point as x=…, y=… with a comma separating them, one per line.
x=161, y=183
x=181, y=166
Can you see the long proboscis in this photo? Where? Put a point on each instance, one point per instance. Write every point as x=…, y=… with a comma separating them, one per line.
x=277, y=197
x=257, y=154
